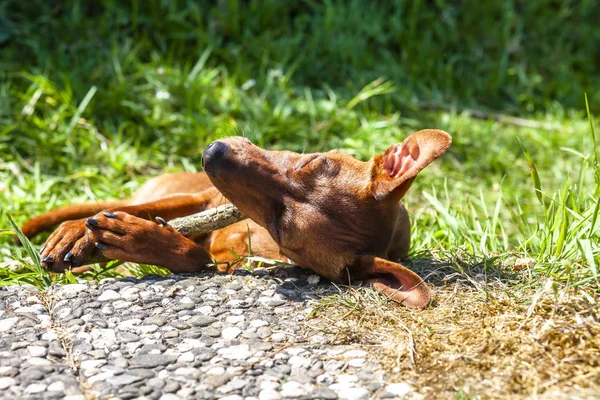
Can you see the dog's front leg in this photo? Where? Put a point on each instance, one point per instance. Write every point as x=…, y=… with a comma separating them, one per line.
x=121, y=236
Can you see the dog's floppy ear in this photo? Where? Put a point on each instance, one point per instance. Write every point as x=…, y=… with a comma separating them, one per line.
x=394, y=281
x=394, y=171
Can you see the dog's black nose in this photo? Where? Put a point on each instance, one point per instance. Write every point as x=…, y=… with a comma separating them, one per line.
x=213, y=153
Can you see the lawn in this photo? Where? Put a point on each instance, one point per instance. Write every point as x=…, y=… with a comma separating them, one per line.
x=96, y=97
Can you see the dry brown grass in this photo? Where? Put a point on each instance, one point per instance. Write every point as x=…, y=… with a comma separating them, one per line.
x=484, y=337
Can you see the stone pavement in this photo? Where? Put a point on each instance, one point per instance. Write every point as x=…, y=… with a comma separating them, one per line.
x=204, y=336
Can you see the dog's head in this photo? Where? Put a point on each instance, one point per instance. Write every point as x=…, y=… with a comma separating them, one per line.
x=329, y=211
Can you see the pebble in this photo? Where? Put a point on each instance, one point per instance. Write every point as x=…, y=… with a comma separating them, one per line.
x=216, y=371
x=125, y=379
x=278, y=337
x=6, y=382
x=269, y=394
x=38, y=361
x=35, y=388
x=108, y=295
x=357, y=362
x=72, y=290
x=91, y=364
x=57, y=386
x=231, y=333
x=353, y=393
x=159, y=321
x=169, y=396
x=292, y=390
x=398, y=389
x=8, y=323
x=186, y=357
x=240, y=352
x=202, y=320
x=151, y=360
x=37, y=351
x=355, y=354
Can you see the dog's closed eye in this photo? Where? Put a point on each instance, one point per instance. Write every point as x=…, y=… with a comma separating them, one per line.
x=305, y=161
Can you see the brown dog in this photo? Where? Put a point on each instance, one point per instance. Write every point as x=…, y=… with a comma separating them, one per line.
x=328, y=212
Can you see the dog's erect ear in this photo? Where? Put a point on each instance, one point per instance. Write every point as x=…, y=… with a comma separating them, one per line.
x=394, y=171
x=394, y=281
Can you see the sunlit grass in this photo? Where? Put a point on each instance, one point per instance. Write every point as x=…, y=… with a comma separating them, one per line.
x=116, y=94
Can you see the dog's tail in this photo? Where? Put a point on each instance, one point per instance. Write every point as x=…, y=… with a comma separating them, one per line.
x=54, y=217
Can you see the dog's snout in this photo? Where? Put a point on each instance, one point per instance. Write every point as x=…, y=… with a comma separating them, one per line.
x=213, y=153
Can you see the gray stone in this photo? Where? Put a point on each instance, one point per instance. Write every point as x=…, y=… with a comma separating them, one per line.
x=353, y=393
x=293, y=390
x=121, y=362
x=325, y=394
x=180, y=325
x=57, y=386
x=36, y=388
x=125, y=379
x=202, y=320
x=90, y=364
x=169, y=396
x=56, y=350
x=264, y=332
x=152, y=360
x=231, y=333
x=250, y=335
x=6, y=382
x=109, y=295
x=37, y=351
x=276, y=302
x=156, y=383
x=141, y=372
x=171, y=387
x=8, y=371
x=8, y=323
x=33, y=374
x=399, y=389
x=269, y=394
x=170, y=334
x=159, y=321
x=127, y=337
x=184, y=306
x=215, y=381
x=75, y=322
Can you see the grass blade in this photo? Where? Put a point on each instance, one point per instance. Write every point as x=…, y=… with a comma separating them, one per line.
x=84, y=103
x=197, y=67
x=585, y=246
x=450, y=220
x=31, y=252
x=535, y=177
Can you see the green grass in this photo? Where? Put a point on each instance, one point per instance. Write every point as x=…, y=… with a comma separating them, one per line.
x=95, y=97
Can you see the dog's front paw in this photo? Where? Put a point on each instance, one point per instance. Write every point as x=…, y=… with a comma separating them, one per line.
x=67, y=247
x=125, y=237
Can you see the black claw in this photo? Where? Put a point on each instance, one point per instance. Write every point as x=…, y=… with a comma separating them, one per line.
x=47, y=259
x=100, y=245
x=91, y=223
x=42, y=249
x=68, y=257
x=109, y=214
x=161, y=221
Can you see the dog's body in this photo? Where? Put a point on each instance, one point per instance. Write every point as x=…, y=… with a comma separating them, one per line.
x=328, y=212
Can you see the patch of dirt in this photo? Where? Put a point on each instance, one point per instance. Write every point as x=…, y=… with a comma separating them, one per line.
x=478, y=340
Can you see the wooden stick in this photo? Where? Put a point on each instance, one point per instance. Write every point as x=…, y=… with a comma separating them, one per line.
x=207, y=221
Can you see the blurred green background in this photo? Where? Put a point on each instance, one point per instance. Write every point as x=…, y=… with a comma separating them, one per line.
x=96, y=95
